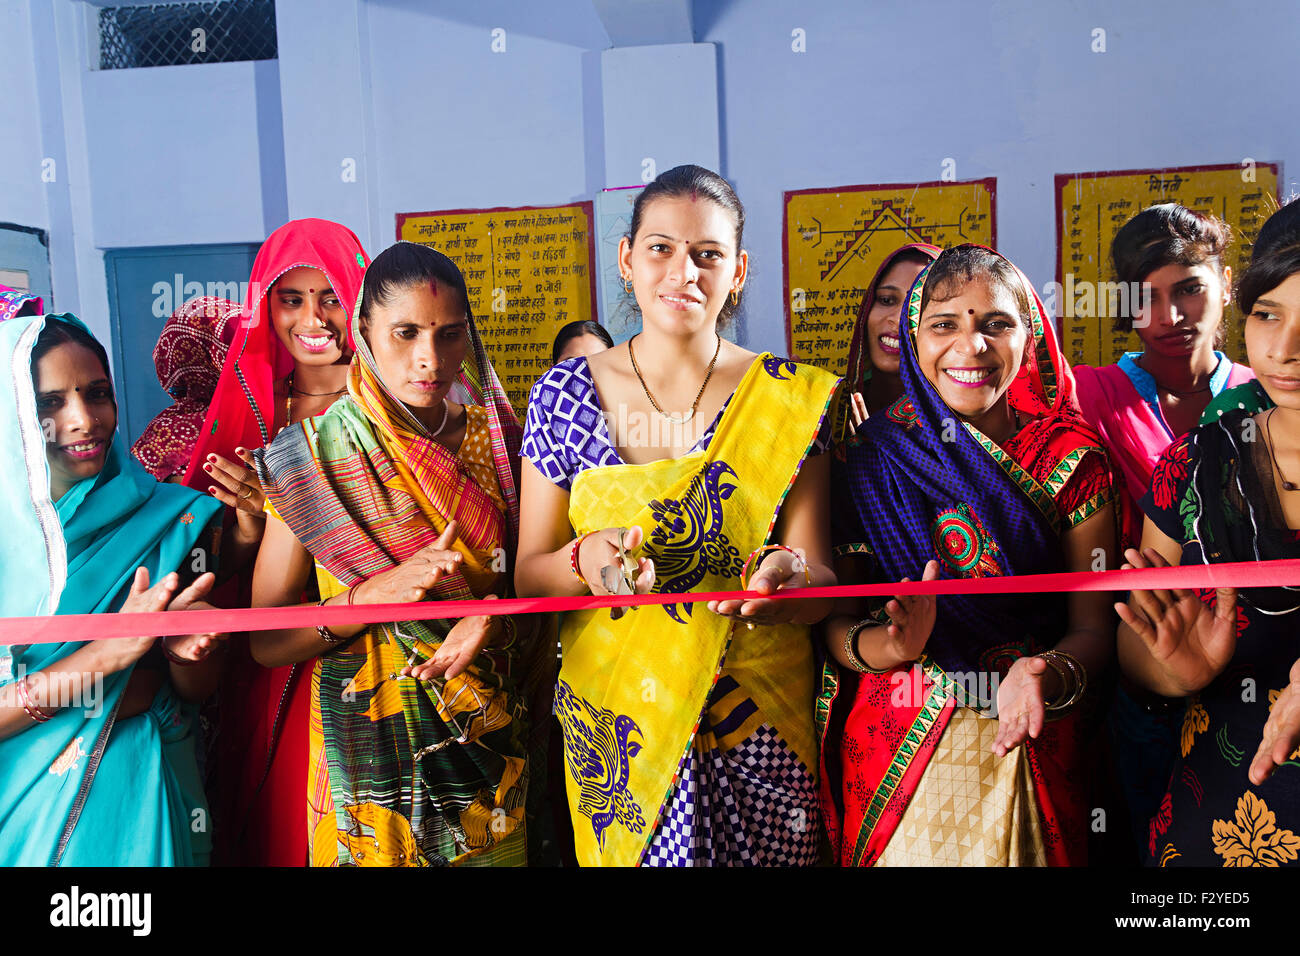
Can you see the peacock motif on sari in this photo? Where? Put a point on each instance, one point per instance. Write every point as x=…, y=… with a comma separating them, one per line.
x=598, y=750
x=688, y=542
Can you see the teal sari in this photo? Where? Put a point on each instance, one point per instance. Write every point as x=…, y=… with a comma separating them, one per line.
x=83, y=788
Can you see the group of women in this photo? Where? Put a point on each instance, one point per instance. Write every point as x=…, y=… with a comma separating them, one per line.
x=342, y=439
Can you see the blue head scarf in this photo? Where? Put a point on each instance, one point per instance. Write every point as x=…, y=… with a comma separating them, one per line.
x=923, y=484
x=74, y=556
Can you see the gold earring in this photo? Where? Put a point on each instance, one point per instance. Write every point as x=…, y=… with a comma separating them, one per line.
x=735, y=296
x=627, y=284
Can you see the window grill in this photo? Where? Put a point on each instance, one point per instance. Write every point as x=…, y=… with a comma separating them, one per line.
x=176, y=34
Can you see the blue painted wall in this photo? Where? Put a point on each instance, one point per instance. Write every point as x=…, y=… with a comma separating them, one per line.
x=885, y=93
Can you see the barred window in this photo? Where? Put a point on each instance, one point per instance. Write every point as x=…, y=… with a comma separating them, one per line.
x=175, y=34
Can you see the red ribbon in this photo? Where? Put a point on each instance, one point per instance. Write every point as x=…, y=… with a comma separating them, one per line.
x=58, y=628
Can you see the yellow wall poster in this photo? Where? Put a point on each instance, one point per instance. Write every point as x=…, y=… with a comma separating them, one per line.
x=529, y=270
x=835, y=240
x=1091, y=208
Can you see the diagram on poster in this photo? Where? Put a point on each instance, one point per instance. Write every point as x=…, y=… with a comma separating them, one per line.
x=1091, y=208
x=835, y=239
x=529, y=270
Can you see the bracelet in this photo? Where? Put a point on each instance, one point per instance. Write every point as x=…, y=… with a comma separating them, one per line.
x=573, y=558
x=851, y=649
x=508, y=626
x=178, y=661
x=326, y=635
x=25, y=698
x=799, y=563
x=1061, y=662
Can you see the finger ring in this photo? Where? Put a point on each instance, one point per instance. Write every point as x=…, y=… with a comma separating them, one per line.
x=249, y=489
x=749, y=624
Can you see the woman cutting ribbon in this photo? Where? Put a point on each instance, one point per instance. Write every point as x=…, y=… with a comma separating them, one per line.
x=688, y=734
x=404, y=491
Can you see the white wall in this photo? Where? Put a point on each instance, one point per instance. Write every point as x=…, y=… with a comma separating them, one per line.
x=22, y=200
x=175, y=156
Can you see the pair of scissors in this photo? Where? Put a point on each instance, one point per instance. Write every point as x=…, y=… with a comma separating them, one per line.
x=620, y=578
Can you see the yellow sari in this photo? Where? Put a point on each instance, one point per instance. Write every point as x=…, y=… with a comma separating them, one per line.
x=685, y=740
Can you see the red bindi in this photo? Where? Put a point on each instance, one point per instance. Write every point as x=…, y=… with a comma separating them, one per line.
x=970, y=311
x=311, y=290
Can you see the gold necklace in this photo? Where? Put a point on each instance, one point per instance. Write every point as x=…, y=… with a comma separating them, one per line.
x=675, y=419
x=288, y=398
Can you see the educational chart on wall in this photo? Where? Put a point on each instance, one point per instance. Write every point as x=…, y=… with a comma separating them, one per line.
x=835, y=240
x=1091, y=208
x=529, y=270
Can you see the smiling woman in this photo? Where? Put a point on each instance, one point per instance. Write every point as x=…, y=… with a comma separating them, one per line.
x=982, y=468
x=872, y=382
x=688, y=736
x=75, y=401
x=97, y=738
x=287, y=362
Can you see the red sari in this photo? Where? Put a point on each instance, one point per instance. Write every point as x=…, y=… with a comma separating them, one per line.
x=262, y=740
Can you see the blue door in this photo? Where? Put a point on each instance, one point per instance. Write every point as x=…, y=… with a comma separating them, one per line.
x=145, y=286
x=25, y=260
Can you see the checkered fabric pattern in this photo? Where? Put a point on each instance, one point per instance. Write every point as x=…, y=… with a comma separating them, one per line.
x=752, y=805
x=565, y=431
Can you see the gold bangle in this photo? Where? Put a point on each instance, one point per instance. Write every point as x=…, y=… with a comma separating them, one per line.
x=851, y=649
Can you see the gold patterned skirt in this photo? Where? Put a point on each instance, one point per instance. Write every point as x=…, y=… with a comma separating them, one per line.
x=971, y=807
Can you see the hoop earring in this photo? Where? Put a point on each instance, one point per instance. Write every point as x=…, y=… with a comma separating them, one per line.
x=735, y=297
x=627, y=285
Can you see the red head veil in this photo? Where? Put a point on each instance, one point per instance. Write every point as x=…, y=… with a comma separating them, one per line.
x=243, y=407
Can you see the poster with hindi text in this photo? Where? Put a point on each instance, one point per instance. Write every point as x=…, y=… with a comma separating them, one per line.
x=1091, y=208
x=835, y=239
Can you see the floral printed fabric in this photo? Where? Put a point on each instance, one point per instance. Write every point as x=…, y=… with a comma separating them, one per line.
x=1212, y=815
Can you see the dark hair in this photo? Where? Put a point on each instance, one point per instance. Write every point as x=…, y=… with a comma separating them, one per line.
x=1163, y=235
x=914, y=256
x=960, y=264
x=403, y=265
x=57, y=332
x=694, y=181
x=575, y=329
x=1274, y=258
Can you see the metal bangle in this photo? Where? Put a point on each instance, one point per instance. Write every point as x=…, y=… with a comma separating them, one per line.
x=1062, y=662
x=326, y=635
x=851, y=649
x=25, y=698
